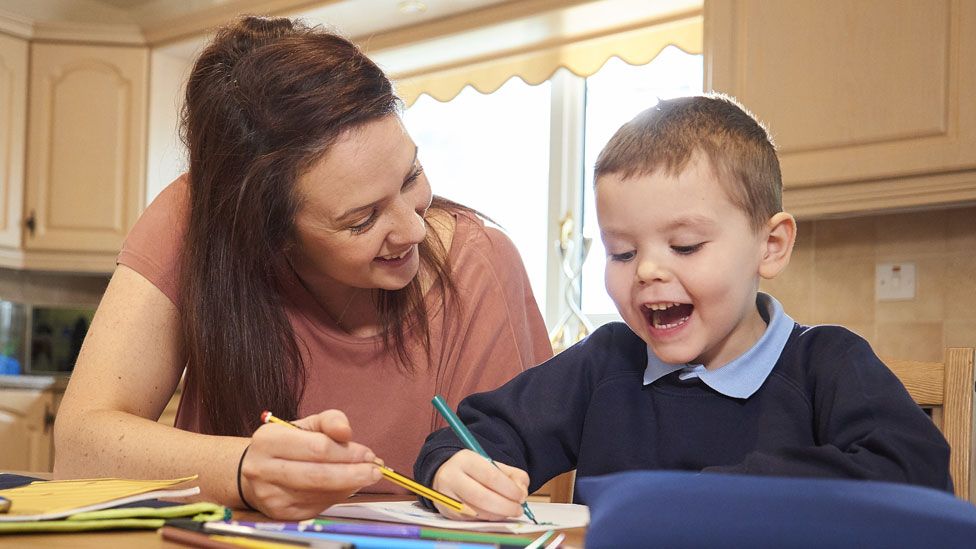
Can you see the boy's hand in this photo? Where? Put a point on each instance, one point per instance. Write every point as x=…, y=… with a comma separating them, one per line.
x=495, y=493
x=294, y=474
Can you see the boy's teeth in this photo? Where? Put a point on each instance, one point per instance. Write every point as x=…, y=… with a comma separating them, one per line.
x=661, y=315
x=660, y=306
x=678, y=323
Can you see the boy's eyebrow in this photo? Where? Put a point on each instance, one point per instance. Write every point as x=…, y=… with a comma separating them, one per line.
x=351, y=211
x=690, y=221
x=693, y=221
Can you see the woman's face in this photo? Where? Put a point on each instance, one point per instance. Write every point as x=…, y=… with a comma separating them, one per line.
x=361, y=212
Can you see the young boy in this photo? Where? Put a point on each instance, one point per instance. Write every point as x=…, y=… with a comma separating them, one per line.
x=708, y=374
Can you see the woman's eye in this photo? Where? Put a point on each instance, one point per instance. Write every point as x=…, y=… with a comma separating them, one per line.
x=626, y=256
x=413, y=176
x=687, y=250
x=365, y=225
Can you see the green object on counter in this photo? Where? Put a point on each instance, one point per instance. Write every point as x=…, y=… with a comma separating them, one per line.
x=124, y=518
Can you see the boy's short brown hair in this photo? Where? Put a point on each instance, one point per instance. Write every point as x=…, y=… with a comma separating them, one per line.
x=667, y=135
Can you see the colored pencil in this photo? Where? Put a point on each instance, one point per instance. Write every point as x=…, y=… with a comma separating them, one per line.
x=537, y=544
x=387, y=530
x=556, y=542
x=462, y=432
x=393, y=476
x=359, y=542
x=207, y=541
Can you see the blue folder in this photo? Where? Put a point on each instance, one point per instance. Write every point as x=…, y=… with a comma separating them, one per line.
x=682, y=509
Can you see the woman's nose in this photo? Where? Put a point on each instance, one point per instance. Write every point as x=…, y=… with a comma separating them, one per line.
x=410, y=227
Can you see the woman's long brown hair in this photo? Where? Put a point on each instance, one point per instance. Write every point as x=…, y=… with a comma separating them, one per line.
x=264, y=101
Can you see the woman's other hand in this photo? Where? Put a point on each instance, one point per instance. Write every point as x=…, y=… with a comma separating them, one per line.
x=495, y=493
x=295, y=474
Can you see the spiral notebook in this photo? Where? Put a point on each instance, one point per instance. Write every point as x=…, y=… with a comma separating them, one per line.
x=53, y=499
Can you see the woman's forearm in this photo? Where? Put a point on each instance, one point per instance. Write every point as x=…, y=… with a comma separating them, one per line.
x=108, y=443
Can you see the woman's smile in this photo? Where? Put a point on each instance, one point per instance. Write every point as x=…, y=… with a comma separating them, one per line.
x=396, y=261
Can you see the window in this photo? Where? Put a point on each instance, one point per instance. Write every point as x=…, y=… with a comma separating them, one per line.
x=613, y=96
x=506, y=155
x=472, y=156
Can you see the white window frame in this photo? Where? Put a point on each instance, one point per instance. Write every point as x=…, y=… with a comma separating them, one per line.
x=566, y=170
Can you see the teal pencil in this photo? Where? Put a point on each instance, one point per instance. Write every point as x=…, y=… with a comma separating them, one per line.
x=462, y=432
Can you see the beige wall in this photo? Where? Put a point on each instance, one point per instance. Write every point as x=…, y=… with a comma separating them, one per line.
x=831, y=279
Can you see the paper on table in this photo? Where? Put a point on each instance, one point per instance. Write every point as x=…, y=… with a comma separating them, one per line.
x=42, y=500
x=550, y=516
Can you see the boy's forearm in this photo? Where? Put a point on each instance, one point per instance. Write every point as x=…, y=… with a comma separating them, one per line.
x=902, y=461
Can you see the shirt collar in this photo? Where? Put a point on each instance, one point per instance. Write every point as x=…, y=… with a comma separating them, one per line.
x=743, y=376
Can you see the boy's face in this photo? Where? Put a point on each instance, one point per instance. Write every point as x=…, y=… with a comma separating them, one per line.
x=683, y=263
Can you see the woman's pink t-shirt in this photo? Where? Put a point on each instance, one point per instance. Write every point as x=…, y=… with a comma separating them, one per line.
x=498, y=333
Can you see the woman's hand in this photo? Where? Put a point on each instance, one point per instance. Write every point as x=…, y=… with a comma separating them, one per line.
x=495, y=493
x=295, y=474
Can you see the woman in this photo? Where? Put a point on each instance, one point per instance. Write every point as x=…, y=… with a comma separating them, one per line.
x=302, y=264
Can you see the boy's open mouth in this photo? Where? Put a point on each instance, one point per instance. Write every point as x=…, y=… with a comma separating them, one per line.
x=667, y=315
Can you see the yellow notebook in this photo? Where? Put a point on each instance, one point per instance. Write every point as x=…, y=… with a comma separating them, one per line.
x=44, y=500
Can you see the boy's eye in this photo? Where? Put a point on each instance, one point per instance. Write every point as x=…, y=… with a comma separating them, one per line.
x=365, y=225
x=687, y=250
x=626, y=256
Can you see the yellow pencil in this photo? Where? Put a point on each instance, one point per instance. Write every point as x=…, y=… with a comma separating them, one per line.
x=393, y=476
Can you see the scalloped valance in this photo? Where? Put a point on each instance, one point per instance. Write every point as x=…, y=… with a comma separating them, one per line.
x=583, y=57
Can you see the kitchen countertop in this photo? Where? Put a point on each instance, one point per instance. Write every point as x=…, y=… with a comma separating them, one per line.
x=35, y=382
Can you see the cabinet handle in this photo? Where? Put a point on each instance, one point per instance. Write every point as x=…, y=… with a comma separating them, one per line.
x=48, y=419
x=30, y=223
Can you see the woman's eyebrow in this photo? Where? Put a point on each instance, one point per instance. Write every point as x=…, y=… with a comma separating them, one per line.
x=353, y=211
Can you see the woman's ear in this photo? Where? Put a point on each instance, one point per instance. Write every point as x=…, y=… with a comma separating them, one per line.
x=780, y=236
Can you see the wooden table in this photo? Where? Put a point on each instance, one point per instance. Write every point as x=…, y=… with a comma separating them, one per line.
x=149, y=539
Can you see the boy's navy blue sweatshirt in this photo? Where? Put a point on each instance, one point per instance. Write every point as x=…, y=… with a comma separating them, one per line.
x=829, y=408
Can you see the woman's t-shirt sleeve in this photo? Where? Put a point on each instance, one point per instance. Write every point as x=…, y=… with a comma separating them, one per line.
x=152, y=247
x=500, y=332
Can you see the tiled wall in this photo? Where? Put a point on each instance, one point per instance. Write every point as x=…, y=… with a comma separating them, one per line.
x=42, y=288
x=830, y=279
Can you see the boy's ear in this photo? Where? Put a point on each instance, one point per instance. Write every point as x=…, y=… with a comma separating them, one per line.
x=776, y=250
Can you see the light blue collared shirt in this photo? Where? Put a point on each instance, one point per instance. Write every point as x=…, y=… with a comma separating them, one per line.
x=743, y=376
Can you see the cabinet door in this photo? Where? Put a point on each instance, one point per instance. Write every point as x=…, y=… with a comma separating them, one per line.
x=871, y=103
x=86, y=146
x=26, y=421
x=13, y=133
x=168, y=417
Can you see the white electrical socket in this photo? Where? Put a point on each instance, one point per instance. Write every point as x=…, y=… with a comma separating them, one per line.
x=894, y=281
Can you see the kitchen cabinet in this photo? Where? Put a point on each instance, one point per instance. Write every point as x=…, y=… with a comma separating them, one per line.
x=168, y=416
x=27, y=426
x=870, y=102
x=13, y=129
x=28, y=406
x=84, y=182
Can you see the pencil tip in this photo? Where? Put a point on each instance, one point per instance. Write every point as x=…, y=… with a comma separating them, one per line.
x=528, y=513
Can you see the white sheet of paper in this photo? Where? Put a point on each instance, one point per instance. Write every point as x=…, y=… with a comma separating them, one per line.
x=550, y=516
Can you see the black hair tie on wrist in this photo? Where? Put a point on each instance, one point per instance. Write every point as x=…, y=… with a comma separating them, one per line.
x=240, y=490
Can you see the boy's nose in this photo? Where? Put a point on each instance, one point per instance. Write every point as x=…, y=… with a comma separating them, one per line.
x=649, y=271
